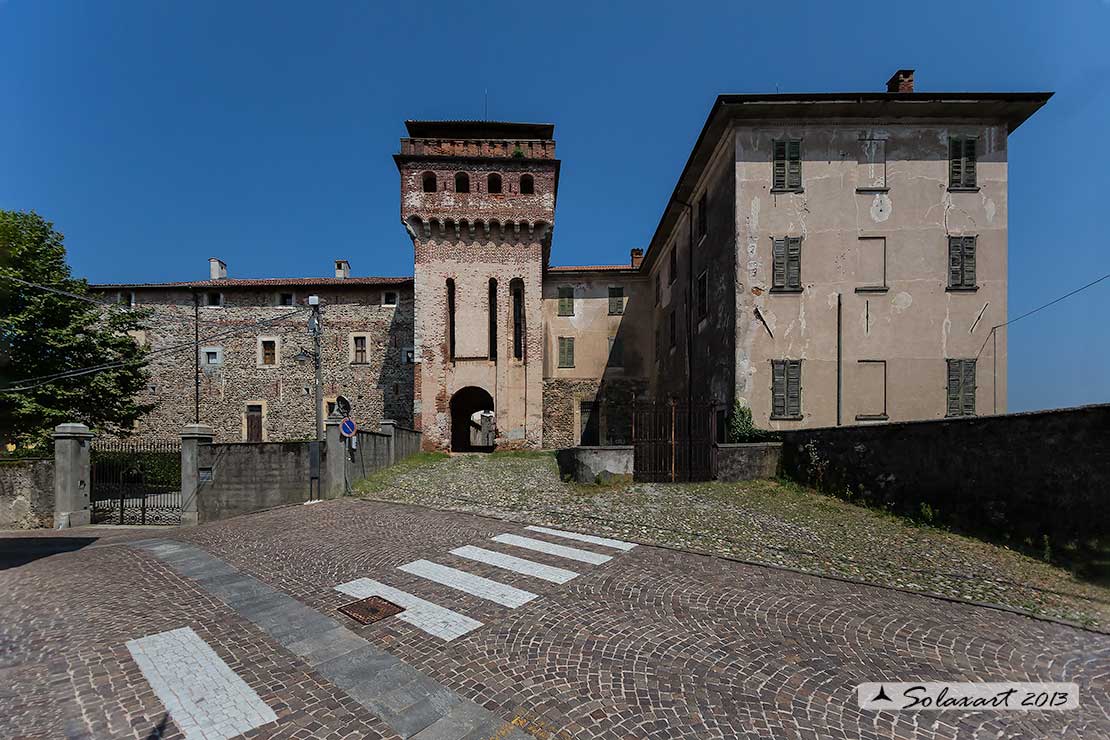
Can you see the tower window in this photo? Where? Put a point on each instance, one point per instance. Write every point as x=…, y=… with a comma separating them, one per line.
x=429, y=179
x=451, y=318
x=527, y=185
x=493, y=183
x=492, y=319
x=462, y=182
x=516, y=287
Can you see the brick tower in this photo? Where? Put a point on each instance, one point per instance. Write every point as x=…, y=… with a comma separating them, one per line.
x=478, y=200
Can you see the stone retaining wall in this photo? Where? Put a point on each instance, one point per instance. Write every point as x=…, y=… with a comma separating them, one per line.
x=26, y=494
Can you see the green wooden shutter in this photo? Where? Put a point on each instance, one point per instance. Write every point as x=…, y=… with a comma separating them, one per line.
x=969, y=261
x=969, y=162
x=954, y=376
x=778, y=260
x=778, y=388
x=967, y=388
x=955, y=162
x=794, y=165
x=616, y=301
x=780, y=166
x=566, y=301
x=955, y=261
x=794, y=262
x=794, y=388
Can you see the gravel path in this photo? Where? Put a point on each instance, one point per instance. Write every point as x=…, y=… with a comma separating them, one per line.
x=762, y=521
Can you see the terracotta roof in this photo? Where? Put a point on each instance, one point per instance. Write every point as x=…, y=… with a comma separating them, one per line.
x=589, y=268
x=262, y=282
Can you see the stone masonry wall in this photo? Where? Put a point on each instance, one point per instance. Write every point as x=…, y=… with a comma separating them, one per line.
x=26, y=494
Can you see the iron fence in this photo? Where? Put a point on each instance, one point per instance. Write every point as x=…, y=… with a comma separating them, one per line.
x=135, y=482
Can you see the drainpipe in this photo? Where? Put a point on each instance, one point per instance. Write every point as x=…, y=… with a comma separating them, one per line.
x=839, y=362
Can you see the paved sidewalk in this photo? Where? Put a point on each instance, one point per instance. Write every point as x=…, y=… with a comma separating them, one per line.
x=637, y=642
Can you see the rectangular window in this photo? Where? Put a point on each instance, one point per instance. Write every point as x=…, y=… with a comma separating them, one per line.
x=961, y=262
x=703, y=295
x=409, y=356
x=389, y=298
x=269, y=352
x=566, y=301
x=616, y=301
x=786, y=389
x=517, y=288
x=961, y=388
x=788, y=165
x=616, y=352
x=360, y=351
x=212, y=356
x=787, y=264
x=213, y=299
x=566, y=351
x=589, y=412
x=673, y=264
x=869, y=390
x=962, y=163
x=703, y=215
x=871, y=264
x=872, y=165
x=285, y=299
x=671, y=330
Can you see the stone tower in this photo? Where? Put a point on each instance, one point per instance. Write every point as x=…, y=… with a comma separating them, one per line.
x=478, y=200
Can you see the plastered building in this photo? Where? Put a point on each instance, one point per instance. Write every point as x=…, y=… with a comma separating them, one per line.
x=824, y=259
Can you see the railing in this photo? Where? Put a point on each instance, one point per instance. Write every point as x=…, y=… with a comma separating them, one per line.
x=135, y=482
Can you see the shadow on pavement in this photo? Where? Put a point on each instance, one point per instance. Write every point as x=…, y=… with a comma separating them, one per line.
x=16, y=551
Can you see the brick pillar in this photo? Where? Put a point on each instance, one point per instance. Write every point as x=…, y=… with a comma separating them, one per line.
x=333, y=483
x=192, y=437
x=71, y=475
x=389, y=427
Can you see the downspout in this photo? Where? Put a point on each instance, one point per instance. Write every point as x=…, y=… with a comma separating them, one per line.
x=839, y=362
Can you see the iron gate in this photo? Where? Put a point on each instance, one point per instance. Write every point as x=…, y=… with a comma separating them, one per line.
x=135, y=482
x=674, y=441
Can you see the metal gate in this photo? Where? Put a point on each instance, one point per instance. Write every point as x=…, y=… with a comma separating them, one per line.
x=674, y=441
x=135, y=482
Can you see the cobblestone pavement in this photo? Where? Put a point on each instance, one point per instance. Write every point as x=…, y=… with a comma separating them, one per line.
x=763, y=521
x=649, y=643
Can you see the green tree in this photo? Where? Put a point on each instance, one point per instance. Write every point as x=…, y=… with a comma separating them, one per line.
x=44, y=333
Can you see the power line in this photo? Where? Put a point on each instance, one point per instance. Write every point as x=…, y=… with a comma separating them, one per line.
x=87, y=299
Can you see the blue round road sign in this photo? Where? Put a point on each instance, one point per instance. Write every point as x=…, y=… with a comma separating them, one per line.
x=347, y=427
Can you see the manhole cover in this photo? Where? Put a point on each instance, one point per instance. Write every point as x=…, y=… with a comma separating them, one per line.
x=370, y=610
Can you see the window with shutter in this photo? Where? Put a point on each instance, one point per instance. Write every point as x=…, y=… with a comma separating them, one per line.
x=616, y=301
x=778, y=389
x=793, y=387
x=786, y=259
x=566, y=301
x=566, y=351
x=961, y=262
x=787, y=170
x=961, y=388
x=962, y=162
x=778, y=259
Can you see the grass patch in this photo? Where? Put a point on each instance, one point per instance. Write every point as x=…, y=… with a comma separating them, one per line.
x=381, y=479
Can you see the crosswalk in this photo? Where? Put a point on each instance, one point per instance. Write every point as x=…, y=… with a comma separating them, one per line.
x=446, y=623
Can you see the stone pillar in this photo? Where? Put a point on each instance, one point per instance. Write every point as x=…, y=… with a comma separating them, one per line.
x=333, y=483
x=192, y=437
x=389, y=427
x=71, y=476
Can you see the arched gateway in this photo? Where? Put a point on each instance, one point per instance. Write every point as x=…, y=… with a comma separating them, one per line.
x=471, y=430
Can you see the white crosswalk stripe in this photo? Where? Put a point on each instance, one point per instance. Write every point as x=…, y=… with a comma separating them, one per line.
x=432, y=618
x=515, y=564
x=562, y=551
x=460, y=580
x=603, y=541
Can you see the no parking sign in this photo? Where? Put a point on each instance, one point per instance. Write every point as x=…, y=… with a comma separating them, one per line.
x=347, y=427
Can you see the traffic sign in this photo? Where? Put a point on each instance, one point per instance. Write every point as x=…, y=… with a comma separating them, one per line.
x=347, y=427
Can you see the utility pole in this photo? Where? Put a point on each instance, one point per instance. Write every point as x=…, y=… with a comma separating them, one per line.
x=316, y=330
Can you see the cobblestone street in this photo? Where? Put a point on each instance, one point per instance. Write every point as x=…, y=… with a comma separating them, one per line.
x=599, y=639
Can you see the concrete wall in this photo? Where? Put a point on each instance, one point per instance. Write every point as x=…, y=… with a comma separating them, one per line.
x=371, y=454
x=748, y=461
x=1029, y=475
x=26, y=494
x=596, y=464
x=405, y=442
x=246, y=477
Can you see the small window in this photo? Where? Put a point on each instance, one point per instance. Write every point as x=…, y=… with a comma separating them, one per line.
x=285, y=299
x=493, y=183
x=462, y=182
x=212, y=356
x=360, y=350
x=787, y=264
x=703, y=295
x=409, y=357
x=527, y=185
x=788, y=165
x=961, y=388
x=962, y=163
x=672, y=332
x=429, y=182
x=329, y=408
x=786, y=389
x=566, y=301
x=269, y=352
x=616, y=352
x=214, y=299
x=961, y=262
x=616, y=301
x=566, y=351
x=673, y=264
x=703, y=215
x=126, y=298
x=389, y=298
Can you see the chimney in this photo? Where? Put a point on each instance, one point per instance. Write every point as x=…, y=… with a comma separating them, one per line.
x=342, y=269
x=901, y=82
x=217, y=268
x=637, y=258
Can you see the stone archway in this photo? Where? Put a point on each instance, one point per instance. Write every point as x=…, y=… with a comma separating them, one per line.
x=464, y=431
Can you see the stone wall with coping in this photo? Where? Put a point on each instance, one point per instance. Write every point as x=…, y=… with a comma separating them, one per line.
x=242, y=477
x=26, y=494
x=748, y=461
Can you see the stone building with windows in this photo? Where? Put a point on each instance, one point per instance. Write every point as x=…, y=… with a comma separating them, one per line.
x=824, y=259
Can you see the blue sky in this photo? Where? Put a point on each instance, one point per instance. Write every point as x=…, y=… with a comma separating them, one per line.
x=158, y=134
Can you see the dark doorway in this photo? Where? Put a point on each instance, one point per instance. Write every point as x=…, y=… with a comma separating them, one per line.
x=591, y=426
x=254, y=423
x=465, y=432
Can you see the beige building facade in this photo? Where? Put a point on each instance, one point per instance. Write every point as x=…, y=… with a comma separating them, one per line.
x=824, y=259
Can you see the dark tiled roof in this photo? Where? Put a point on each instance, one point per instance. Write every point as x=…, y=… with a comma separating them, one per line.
x=479, y=130
x=590, y=268
x=263, y=282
